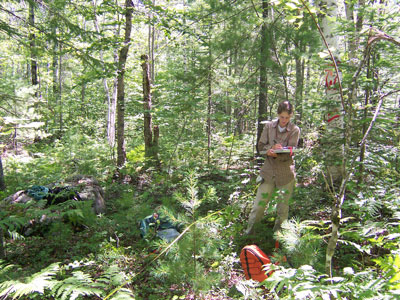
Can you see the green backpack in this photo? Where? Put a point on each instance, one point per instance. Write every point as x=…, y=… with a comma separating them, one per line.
x=158, y=226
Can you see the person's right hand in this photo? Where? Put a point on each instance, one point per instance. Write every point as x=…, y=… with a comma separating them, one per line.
x=277, y=146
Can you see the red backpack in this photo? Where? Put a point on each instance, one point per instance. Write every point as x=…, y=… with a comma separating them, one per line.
x=253, y=259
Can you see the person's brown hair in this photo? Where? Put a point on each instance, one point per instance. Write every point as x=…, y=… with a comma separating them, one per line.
x=285, y=106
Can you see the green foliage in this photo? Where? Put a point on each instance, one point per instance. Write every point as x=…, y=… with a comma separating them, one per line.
x=190, y=259
x=306, y=283
x=137, y=155
x=66, y=282
x=390, y=265
x=74, y=154
x=34, y=285
x=302, y=243
x=207, y=68
x=77, y=285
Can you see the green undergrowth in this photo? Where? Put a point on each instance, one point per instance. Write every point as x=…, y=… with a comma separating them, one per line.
x=84, y=256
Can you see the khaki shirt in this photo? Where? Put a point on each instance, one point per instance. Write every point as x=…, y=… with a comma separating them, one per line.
x=278, y=170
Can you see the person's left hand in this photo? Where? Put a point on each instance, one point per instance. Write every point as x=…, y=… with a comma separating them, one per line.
x=271, y=153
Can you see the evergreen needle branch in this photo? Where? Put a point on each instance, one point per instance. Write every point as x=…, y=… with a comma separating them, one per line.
x=79, y=52
x=331, y=189
x=374, y=36
x=211, y=15
x=255, y=9
x=162, y=252
x=281, y=69
x=330, y=53
x=364, y=139
x=176, y=144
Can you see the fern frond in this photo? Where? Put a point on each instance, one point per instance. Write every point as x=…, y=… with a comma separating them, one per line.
x=68, y=204
x=15, y=235
x=123, y=294
x=5, y=270
x=79, y=284
x=113, y=276
x=13, y=223
x=37, y=283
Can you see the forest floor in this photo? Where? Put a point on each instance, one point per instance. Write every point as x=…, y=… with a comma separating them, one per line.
x=115, y=237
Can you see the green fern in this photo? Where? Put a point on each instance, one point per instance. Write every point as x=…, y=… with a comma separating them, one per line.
x=123, y=294
x=5, y=271
x=79, y=284
x=38, y=283
x=76, y=283
x=12, y=222
x=113, y=276
x=307, y=283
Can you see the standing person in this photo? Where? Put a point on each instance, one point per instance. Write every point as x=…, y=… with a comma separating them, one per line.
x=278, y=170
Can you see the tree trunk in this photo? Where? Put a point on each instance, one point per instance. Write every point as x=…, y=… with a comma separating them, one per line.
x=339, y=198
x=228, y=101
x=55, y=85
x=122, y=57
x=2, y=188
x=83, y=112
x=209, y=107
x=263, y=86
x=354, y=40
x=299, y=84
x=150, y=134
x=2, y=181
x=32, y=45
x=360, y=174
x=60, y=104
x=151, y=42
x=112, y=107
x=333, y=139
x=111, y=100
x=397, y=127
x=2, y=250
x=353, y=45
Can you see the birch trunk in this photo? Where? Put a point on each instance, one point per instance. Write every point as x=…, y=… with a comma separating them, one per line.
x=334, y=156
x=111, y=100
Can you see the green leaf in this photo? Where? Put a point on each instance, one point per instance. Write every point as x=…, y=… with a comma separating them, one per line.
x=291, y=6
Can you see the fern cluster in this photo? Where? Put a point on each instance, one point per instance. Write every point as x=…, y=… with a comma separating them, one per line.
x=307, y=283
x=64, y=282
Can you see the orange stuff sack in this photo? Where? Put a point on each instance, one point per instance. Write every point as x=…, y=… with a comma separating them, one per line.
x=252, y=259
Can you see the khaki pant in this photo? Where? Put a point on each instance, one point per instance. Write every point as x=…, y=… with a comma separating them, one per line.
x=264, y=193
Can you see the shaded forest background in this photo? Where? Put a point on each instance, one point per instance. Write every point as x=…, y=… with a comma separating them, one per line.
x=163, y=103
